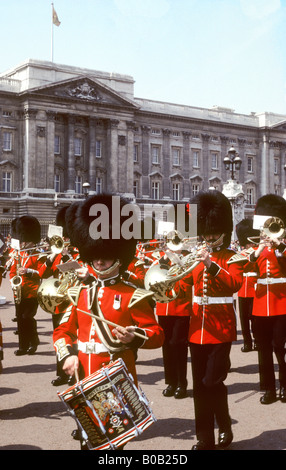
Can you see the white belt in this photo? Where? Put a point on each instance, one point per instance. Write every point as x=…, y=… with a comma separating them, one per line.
x=272, y=280
x=250, y=274
x=91, y=347
x=212, y=300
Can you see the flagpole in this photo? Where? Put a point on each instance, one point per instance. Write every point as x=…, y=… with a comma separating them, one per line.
x=56, y=21
x=52, y=36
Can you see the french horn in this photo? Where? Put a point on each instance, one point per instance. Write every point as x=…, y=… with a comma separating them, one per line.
x=53, y=293
x=162, y=279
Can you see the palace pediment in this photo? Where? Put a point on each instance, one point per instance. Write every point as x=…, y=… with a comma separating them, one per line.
x=84, y=89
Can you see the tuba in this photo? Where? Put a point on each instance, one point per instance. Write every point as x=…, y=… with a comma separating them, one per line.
x=16, y=281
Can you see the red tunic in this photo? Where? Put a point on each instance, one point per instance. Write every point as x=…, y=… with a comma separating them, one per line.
x=31, y=280
x=249, y=281
x=213, y=318
x=270, y=294
x=114, y=304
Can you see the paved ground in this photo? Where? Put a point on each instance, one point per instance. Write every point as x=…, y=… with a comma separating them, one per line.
x=32, y=417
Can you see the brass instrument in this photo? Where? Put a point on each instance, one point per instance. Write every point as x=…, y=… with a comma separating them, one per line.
x=272, y=228
x=161, y=279
x=16, y=281
x=53, y=293
x=57, y=244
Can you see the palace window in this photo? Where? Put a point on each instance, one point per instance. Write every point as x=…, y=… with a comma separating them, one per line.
x=155, y=190
x=250, y=164
x=250, y=196
x=176, y=191
x=155, y=152
x=214, y=160
x=136, y=153
x=98, y=149
x=98, y=185
x=195, y=188
x=57, y=183
x=176, y=156
x=196, y=158
x=57, y=145
x=78, y=184
x=7, y=181
x=78, y=146
x=7, y=141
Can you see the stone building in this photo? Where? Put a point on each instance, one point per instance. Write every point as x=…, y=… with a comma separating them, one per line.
x=62, y=127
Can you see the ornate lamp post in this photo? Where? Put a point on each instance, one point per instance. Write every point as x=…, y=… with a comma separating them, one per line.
x=233, y=189
x=85, y=188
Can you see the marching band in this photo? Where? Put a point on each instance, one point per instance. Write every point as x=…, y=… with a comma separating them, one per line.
x=103, y=310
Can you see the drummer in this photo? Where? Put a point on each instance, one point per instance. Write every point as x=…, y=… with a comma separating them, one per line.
x=105, y=295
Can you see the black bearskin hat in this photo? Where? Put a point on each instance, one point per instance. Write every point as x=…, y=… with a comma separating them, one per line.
x=14, y=228
x=272, y=205
x=214, y=214
x=70, y=217
x=28, y=229
x=61, y=219
x=97, y=230
x=244, y=229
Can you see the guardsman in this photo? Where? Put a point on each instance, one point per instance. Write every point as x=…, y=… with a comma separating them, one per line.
x=26, y=264
x=107, y=297
x=51, y=269
x=269, y=305
x=213, y=321
x=244, y=231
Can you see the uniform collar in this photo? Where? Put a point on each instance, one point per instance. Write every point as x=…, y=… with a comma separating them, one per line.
x=108, y=282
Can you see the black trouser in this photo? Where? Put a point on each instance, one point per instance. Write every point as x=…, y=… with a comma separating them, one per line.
x=270, y=333
x=175, y=349
x=27, y=326
x=245, y=314
x=210, y=366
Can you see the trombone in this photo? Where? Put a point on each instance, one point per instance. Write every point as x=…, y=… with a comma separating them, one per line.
x=273, y=228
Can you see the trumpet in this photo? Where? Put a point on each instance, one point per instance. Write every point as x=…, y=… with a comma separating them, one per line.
x=273, y=228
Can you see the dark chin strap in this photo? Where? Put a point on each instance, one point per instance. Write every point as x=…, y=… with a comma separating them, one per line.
x=217, y=243
x=108, y=270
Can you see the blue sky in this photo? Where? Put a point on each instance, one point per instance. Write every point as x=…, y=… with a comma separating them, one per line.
x=201, y=53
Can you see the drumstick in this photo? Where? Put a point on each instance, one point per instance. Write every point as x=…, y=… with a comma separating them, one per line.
x=76, y=372
x=110, y=323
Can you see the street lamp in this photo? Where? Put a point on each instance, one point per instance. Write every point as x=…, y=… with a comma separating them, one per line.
x=233, y=189
x=232, y=161
x=86, y=187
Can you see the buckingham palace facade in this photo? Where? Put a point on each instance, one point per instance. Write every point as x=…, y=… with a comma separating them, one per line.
x=65, y=129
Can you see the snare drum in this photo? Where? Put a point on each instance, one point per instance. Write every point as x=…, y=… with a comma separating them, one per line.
x=108, y=408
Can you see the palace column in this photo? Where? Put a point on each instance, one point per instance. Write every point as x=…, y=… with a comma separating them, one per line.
x=186, y=164
x=70, y=155
x=264, y=173
x=112, y=156
x=130, y=156
x=166, y=164
x=92, y=155
x=205, y=158
x=50, y=144
x=29, y=164
x=145, y=161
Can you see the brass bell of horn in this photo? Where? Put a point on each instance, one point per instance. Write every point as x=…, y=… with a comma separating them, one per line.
x=273, y=228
